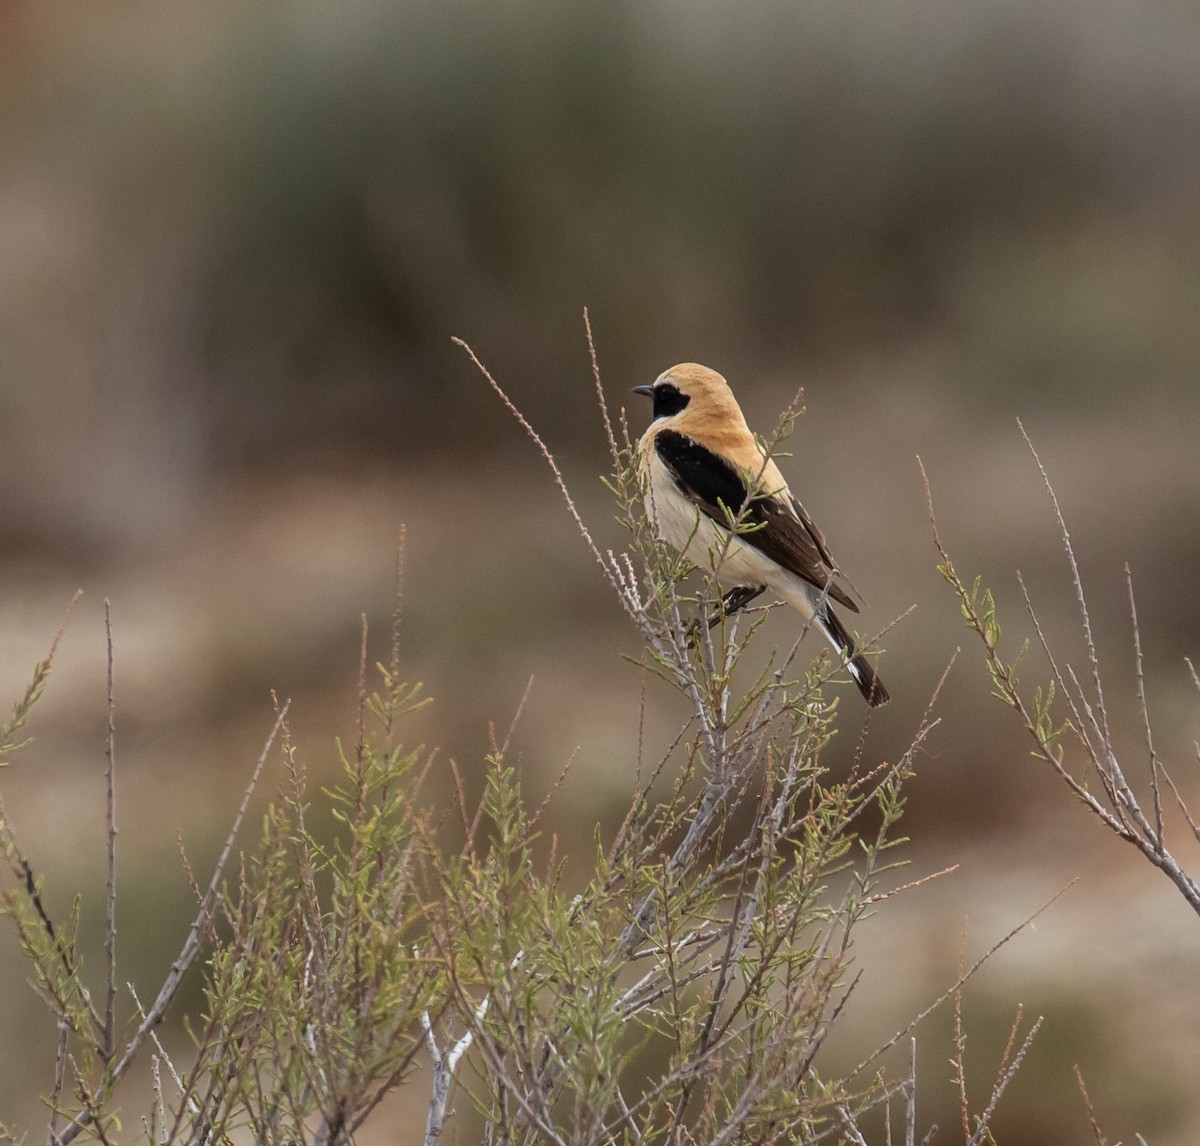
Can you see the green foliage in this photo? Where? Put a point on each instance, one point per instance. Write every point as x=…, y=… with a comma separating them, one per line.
x=978, y=607
x=10, y=729
x=1098, y=778
x=314, y=994
x=679, y=988
x=51, y=948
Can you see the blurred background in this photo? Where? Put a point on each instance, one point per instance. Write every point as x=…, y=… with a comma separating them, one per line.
x=235, y=242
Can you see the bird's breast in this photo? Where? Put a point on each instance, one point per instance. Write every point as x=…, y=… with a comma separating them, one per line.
x=707, y=544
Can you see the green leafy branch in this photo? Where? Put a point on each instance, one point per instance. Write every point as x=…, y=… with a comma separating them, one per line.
x=1113, y=800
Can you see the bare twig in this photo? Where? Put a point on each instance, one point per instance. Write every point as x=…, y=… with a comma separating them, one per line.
x=960, y=1042
x=398, y=603
x=1155, y=767
x=192, y=946
x=163, y=1056
x=1077, y=581
x=110, y=890
x=853, y=1134
x=982, y=1132
x=360, y=746
x=444, y=1065
x=958, y=984
x=544, y=450
x=1091, y=1110
x=910, y=1096
x=60, y=1067
x=501, y=750
x=614, y=448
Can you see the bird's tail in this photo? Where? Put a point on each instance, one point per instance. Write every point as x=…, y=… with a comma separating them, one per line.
x=857, y=665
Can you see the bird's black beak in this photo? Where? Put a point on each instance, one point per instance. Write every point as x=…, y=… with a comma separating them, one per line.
x=647, y=390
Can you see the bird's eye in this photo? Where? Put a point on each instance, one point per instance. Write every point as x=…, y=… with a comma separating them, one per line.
x=668, y=400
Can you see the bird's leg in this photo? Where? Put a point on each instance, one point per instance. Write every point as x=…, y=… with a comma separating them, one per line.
x=735, y=600
x=732, y=602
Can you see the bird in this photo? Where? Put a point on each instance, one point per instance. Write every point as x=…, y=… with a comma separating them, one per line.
x=715, y=495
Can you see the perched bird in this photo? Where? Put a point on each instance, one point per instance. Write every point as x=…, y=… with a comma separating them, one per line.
x=716, y=495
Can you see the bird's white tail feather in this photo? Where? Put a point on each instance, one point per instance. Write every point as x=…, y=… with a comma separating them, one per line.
x=813, y=605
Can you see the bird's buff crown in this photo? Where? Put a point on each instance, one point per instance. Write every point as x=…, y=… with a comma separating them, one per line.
x=712, y=410
x=698, y=381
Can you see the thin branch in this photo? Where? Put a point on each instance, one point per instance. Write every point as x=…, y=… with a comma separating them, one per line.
x=110, y=890
x=502, y=750
x=1091, y=1110
x=910, y=1099
x=1155, y=767
x=613, y=448
x=187, y=955
x=1077, y=723
x=163, y=1056
x=1077, y=581
x=60, y=1069
x=37, y=685
x=879, y=897
x=360, y=746
x=444, y=1065
x=981, y=1130
x=398, y=604
x=960, y=1041
x=524, y=423
x=853, y=1134
x=26, y=876
x=1112, y=767
x=959, y=982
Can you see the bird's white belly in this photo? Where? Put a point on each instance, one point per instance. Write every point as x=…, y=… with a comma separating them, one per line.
x=707, y=544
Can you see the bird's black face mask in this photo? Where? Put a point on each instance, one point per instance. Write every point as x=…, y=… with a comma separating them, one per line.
x=666, y=396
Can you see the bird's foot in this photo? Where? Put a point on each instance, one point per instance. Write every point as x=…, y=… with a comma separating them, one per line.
x=734, y=601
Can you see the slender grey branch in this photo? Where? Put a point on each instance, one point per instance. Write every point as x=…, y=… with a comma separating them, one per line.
x=60, y=1068
x=981, y=1129
x=110, y=890
x=958, y=984
x=187, y=956
x=163, y=1056
x=613, y=448
x=1125, y=803
x=910, y=1099
x=1155, y=767
x=853, y=1134
x=550, y=461
x=1077, y=581
x=444, y=1065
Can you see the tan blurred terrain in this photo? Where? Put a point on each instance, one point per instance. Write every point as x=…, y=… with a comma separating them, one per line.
x=234, y=246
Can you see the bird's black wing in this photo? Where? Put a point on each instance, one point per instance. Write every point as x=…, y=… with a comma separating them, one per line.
x=777, y=529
